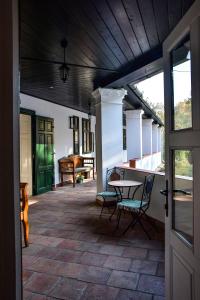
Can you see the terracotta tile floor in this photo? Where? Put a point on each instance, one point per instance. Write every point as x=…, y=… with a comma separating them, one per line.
x=74, y=254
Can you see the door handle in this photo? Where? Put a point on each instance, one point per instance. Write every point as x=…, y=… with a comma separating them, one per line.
x=165, y=193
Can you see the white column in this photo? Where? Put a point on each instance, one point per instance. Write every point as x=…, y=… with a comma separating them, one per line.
x=159, y=139
x=155, y=138
x=109, y=130
x=134, y=133
x=147, y=136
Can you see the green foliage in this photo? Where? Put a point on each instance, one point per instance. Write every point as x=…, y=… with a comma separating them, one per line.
x=182, y=114
x=183, y=163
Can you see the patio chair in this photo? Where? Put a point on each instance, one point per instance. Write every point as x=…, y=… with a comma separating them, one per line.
x=110, y=193
x=136, y=207
x=24, y=211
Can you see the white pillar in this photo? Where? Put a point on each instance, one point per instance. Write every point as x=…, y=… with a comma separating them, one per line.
x=155, y=138
x=109, y=130
x=134, y=133
x=159, y=139
x=147, y=136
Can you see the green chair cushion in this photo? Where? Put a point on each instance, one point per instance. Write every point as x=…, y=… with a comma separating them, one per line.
x=130, y=204
x=108, y=194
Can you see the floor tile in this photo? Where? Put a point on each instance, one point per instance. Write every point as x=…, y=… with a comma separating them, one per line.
x=32, y=296
x=133, y=295
x=151, y=284
x=41, y=283
x=26, y=274
x=68, y=288
x=137, y=253
x=94, y=274
x=69, y=244
x=67, y=255
x=28, y=260
x=111, y=250
x=100, y=292
x=144, y=266
x=48, y=252
x=126, y=280
x=117, y=263
x=45, y=265
x=156, y=255
x=93, y=259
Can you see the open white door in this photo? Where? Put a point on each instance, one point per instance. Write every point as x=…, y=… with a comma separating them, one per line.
x=182, y=108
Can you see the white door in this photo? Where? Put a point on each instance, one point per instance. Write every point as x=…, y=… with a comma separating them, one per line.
x=182, y=107
x=26, y=151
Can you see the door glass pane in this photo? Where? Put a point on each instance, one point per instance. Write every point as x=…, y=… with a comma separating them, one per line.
x=181, y=77
x=182, y=212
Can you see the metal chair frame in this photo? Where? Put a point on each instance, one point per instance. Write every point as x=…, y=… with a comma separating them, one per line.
x=141, y=211
x=111, y=174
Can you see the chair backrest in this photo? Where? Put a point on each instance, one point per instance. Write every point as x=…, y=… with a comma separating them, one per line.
x=147, y=189
x=114, y=174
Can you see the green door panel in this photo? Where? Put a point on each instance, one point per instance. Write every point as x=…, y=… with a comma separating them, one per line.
x=44, y=158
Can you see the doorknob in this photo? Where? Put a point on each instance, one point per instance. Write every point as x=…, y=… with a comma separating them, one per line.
x=165, y=193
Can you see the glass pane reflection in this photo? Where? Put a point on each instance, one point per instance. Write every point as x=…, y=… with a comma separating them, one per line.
x=182, y=212
x=181, y=75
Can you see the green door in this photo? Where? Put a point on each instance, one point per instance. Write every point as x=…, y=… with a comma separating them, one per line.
x=44, y=155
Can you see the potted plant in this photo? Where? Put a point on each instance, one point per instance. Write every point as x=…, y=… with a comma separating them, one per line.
x=79, y=178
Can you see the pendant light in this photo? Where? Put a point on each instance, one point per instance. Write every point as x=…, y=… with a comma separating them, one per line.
x=64, y=69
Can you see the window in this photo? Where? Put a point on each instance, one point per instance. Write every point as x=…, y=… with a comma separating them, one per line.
x=91, y=141
x=76, y=145
x=124, y=139
x=87, y=137
x=124, y=131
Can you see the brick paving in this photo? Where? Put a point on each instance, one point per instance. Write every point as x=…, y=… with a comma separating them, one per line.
x=74, y=254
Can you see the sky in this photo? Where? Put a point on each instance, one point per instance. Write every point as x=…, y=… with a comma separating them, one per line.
x=153, y=87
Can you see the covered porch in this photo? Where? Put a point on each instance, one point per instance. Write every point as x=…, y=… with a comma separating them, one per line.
x=74, y=254
x=83, y=102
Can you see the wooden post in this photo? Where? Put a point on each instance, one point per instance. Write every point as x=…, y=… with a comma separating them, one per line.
x=10, y=237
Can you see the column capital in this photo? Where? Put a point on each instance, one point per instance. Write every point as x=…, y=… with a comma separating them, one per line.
x=105, y=95
x=134, y=114
x=147, y=122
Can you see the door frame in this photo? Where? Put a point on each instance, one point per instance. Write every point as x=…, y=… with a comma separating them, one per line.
x=10, y=224
x=31, y=113
x=184, y=139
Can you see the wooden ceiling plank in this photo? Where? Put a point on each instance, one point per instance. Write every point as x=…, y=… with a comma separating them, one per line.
x=175, y=12
x=162, y=21
x=148, y=17
x=136, y=21
x=186, y=5
x=115, y=30
x=97, y=41
x=122, y=19
x=101, y=27
x=75, y=31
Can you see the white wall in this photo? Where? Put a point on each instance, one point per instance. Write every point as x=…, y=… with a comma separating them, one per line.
x=63, y=136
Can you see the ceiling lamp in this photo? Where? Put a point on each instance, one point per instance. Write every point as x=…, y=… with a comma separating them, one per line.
x=64, y=69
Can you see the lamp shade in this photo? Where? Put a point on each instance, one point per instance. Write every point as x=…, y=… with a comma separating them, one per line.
x=64, y=72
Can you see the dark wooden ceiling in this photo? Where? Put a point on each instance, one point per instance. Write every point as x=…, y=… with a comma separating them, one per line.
x=106, y=40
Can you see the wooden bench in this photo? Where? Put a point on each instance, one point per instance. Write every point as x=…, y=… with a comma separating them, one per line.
x=75, y=164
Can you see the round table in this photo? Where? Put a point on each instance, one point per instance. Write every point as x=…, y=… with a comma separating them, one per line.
x=120, y=184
